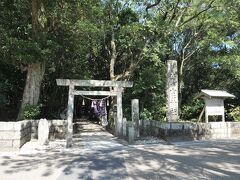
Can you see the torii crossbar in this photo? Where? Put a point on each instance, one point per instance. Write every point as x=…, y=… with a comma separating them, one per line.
x=118, y=89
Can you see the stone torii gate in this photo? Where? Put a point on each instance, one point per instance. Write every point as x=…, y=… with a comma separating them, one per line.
x=118, y=89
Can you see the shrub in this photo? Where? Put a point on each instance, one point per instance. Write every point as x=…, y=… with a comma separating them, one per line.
x=235, y=113
x=146, y=114
x=192, y=111
x=31, y=111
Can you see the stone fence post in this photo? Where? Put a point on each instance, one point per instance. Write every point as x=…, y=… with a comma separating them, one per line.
x=124, y=127
x=131, y=133
x=135, y=116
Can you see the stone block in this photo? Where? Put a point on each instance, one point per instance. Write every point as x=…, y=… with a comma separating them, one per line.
x=57, y=122
x=34, y=136
x=146, y=123
x=219, y=131
x=10, y=135
x=235, y=130
x=35, y=123
x=26, y=135
x=131, y=133
x=52, y=128
x=16, y=143
x=186, y=126
x=152, y=122
x=155, y=123
x=177, y=126
x=228, y=124
x=215, y=125
x=5, y=126
x=17, y=126
x=156, y=131
x=208, y=125
x=164, y=126
x=6, y=143
x=235, y=136
x=34, y=128
x=219, y=136
x=223, y=125
x=206, y=137
x=235, y=125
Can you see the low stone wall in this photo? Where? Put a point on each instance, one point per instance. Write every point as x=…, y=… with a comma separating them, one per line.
x=14, y=134
x=211, y=130
x=57, y=129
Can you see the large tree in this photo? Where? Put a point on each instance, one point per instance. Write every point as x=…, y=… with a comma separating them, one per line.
x=36, y=68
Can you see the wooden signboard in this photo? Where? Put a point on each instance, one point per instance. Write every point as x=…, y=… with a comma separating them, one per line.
x=214, y=102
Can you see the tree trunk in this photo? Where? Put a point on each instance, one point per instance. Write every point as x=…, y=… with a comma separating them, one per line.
x=32, y=88
x=112, y=78
x=35, y=71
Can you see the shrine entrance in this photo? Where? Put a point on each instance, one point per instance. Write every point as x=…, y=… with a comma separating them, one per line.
x=117, y=90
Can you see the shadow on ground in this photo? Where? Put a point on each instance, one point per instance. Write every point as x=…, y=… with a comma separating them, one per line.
x=219, y=159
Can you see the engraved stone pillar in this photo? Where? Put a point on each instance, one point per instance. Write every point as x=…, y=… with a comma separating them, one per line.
x=135, y=116
x=70, y=116
x=172, y=91
x=43, y=131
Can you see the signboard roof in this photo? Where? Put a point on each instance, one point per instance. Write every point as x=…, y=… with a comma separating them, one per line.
x=214, y=94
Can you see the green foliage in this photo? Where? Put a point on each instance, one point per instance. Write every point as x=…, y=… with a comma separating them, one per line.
x=31, y=111
x=235, y=113
x=192, y=111
x=146, y=114
x=149, y=88
x=75, y=42
x=158, y=115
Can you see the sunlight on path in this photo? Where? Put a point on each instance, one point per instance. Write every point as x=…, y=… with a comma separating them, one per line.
x=97, y=154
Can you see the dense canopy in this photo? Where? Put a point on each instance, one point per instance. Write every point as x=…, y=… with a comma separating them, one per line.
x=41, y=41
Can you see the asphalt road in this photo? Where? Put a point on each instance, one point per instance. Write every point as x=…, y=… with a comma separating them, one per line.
x=98, y=155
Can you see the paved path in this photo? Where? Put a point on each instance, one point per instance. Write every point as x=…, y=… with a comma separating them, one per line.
x=102, y=157
x=98, y=155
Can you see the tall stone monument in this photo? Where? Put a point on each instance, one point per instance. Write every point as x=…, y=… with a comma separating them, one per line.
x=172, y=91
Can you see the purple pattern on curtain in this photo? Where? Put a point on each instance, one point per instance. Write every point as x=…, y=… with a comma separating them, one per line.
x=100, y=110
x=99, y=107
